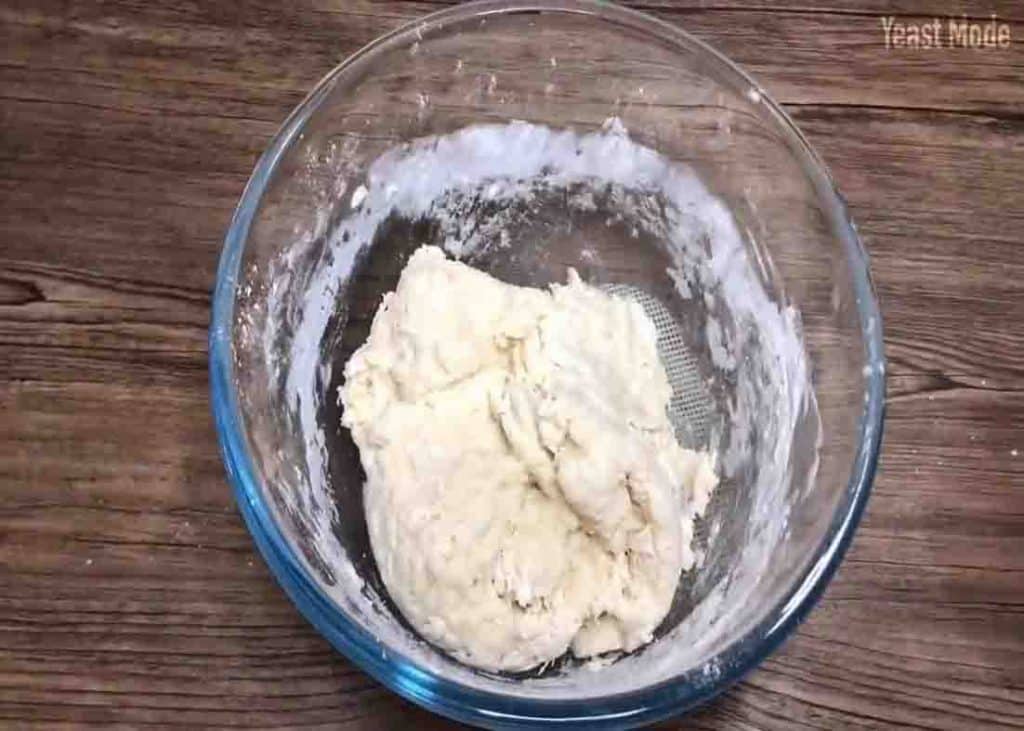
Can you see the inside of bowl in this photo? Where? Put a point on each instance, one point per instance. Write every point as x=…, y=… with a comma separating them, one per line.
x=638, y=162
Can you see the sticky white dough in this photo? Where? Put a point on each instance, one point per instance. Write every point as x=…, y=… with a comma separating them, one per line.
x=525, y=492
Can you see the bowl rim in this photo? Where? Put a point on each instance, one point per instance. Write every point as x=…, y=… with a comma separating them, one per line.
x=451, y=698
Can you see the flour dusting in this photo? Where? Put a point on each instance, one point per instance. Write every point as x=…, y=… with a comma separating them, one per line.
x=751, y=337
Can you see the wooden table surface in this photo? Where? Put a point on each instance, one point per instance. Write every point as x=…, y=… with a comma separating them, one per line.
x=130, y=591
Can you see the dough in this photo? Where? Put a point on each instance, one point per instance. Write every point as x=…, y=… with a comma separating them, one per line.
x=525, y=493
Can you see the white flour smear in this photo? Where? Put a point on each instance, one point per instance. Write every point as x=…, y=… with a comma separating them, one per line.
x=756, y=346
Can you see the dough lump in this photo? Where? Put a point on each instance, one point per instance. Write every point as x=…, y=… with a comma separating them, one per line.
x=525, y=493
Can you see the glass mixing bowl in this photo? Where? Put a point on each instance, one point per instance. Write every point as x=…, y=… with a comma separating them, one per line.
x=527, y=137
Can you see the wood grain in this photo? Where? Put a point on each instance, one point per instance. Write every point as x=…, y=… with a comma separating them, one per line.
x=130, y=592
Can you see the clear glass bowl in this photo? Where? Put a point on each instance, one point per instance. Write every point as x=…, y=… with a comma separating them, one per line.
x=602, y=139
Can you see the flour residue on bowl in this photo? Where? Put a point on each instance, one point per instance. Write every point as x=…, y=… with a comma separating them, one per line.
x=752, y=340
